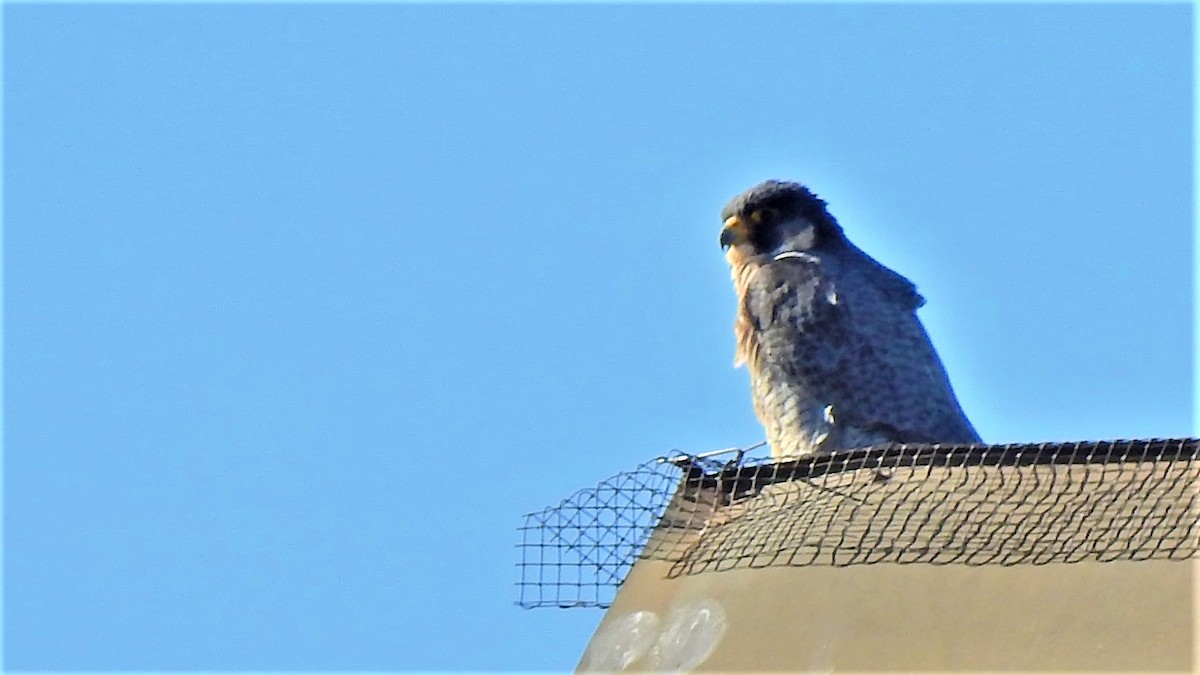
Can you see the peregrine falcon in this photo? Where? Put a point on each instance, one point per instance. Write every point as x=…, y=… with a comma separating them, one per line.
x=837, y=356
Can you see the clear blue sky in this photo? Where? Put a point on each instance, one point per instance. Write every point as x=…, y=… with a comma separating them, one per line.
x=306, y=305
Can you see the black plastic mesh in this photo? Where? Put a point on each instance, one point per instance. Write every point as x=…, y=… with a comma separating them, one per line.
x=577, y=553
x=1029, y=504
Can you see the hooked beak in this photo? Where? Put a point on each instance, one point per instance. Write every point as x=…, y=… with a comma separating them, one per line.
x=734, y=232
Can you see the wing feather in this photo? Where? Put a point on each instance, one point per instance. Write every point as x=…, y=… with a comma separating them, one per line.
x=818, y=331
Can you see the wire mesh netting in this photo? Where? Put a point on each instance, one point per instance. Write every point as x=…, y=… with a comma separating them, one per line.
x=1025, y=504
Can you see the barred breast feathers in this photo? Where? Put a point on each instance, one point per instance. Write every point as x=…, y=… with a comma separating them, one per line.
x=746, y=352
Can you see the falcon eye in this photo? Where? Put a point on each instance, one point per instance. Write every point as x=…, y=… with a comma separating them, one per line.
x=764, y=215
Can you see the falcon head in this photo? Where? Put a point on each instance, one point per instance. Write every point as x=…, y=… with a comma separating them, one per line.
x=776, y=216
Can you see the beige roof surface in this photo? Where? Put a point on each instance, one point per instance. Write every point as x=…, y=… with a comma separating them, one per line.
x=1046, y=558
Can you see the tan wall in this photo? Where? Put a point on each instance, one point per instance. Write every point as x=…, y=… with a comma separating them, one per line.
x=1114, y=616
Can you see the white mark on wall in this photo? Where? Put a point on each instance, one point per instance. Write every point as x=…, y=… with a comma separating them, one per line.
x=682, y=642
x=621, y=642
x=820, y=659
x=689, y=635
x=825, y=638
